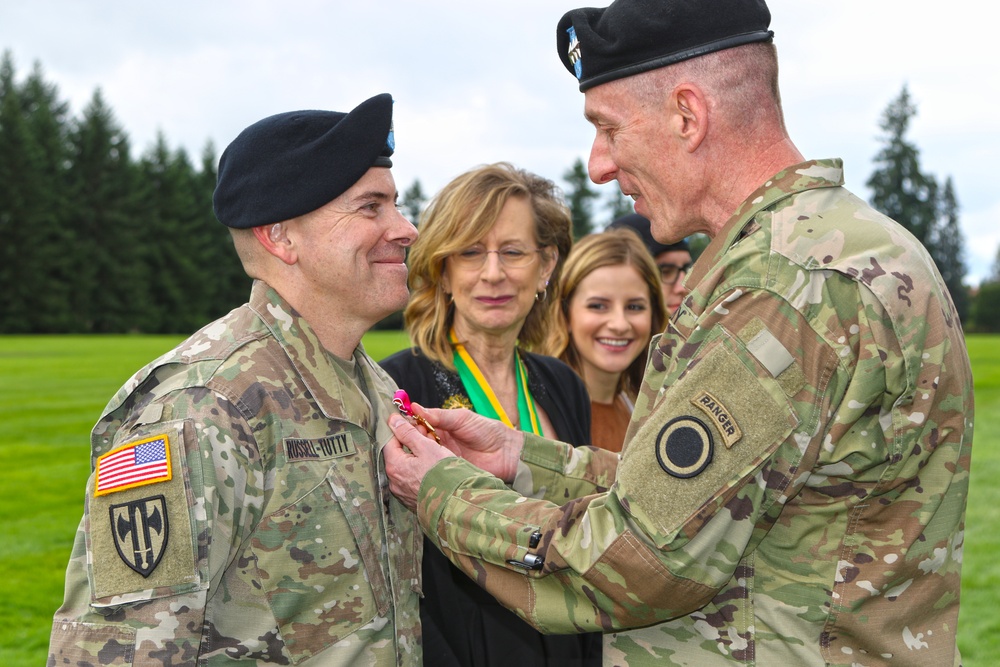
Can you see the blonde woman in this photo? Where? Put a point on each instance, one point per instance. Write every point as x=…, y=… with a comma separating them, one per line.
x=491, y=247
x=610, y=306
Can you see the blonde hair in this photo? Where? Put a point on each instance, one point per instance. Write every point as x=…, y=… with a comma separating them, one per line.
x=461, y=214
x=615, y=247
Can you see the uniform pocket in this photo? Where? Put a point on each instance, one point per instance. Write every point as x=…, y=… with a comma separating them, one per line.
x=318, y=565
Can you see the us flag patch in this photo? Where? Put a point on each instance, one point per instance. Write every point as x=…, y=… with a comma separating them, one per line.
x=136, y=464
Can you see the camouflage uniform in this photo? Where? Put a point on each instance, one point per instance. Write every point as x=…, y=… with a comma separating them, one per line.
x=794, y=482
x=275, y=539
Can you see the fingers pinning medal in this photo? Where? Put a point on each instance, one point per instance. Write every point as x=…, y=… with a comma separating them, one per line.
x=402, y=401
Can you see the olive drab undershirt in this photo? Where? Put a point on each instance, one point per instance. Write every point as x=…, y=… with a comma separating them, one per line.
x=794, y=480
x=272, y=538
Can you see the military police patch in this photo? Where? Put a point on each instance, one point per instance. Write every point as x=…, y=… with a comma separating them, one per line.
x=140, y=532
x=684, y=447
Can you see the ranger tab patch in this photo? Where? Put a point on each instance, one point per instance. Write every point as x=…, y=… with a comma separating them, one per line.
x=684, y=447
x=135, y=464
x=720, y=415
x=140, y=532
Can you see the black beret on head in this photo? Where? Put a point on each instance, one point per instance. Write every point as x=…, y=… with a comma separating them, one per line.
x=640, y=225
x=292, y=163
x=634, y=36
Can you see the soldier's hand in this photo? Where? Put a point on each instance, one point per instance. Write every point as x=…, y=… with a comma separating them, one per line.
x=485, y=443
x=407, y=467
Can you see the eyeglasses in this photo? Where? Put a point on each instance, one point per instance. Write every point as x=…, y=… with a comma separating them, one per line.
x=511, y=257
x=669, y=273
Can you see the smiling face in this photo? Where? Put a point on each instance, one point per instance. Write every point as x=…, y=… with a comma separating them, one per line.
x=494, y=300
x=610, y=323
x=356, y=244
x=637, y=145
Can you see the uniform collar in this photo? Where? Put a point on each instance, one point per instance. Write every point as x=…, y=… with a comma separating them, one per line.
x=335, y=392
x=793, y=180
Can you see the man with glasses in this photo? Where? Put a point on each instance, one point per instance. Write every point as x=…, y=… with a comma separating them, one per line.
x=672, y=259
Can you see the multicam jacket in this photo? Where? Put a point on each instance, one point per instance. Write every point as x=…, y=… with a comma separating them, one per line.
x=239, y=511
x=794, y=481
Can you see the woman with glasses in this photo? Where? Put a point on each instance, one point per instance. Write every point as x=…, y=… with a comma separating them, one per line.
x=610, y=305
x=482, y=272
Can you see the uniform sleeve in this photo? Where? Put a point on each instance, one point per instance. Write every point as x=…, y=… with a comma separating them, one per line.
x=559, y=472
x=728, y=430
x=166, y=508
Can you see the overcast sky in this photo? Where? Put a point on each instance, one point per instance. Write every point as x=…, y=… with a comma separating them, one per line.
x=478, y=82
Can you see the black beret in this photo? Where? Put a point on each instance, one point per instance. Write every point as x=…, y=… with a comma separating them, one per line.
x=633, y=36
x=640, y=225
x=292, y=163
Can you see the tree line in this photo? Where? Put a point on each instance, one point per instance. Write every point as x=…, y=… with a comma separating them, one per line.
x=95, y=239
x=99, y=240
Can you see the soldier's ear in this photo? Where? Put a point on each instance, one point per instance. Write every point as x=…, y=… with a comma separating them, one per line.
x=275, y=239
x=689, y=115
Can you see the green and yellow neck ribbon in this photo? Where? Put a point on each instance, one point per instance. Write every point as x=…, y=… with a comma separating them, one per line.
x=484, y=400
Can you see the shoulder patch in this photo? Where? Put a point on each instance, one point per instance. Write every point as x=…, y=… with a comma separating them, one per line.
x=684, y=447
x=319, y=449
x=139, y=463
x=141, y=539
x=140, y=530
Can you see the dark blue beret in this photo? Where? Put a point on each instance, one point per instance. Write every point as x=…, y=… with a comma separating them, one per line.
x=292, y=163
x=634, y=36
x=640, y=225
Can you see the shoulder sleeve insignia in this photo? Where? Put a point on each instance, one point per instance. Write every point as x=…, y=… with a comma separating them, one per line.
x=135, y=464
x=140, y=532
x=684, y=447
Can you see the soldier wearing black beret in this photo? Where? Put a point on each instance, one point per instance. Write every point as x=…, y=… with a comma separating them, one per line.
x=793, y=482
x=672, y=259
x=237, y=510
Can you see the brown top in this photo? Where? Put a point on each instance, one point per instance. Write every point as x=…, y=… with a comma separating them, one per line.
x=608, y=422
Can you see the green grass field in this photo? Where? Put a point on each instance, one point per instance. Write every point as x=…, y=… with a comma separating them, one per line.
x=53, y=388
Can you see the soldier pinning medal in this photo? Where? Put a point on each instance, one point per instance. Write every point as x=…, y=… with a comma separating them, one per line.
x=793, y=482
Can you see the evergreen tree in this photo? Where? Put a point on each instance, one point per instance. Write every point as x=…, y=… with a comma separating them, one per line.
x=899, y=188
x=948, y=245
x=176, y=238
x=231, y=285
x=985, y=307
x=111, y=273
x=412, y=203
x=580, y=197
x=34, y=270
x=15, y=306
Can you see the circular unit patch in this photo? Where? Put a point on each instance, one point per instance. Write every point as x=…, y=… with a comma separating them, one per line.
x=684, y=447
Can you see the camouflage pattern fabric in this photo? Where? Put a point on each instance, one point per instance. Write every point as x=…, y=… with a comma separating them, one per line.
x=795, y=476
x=274, y=539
